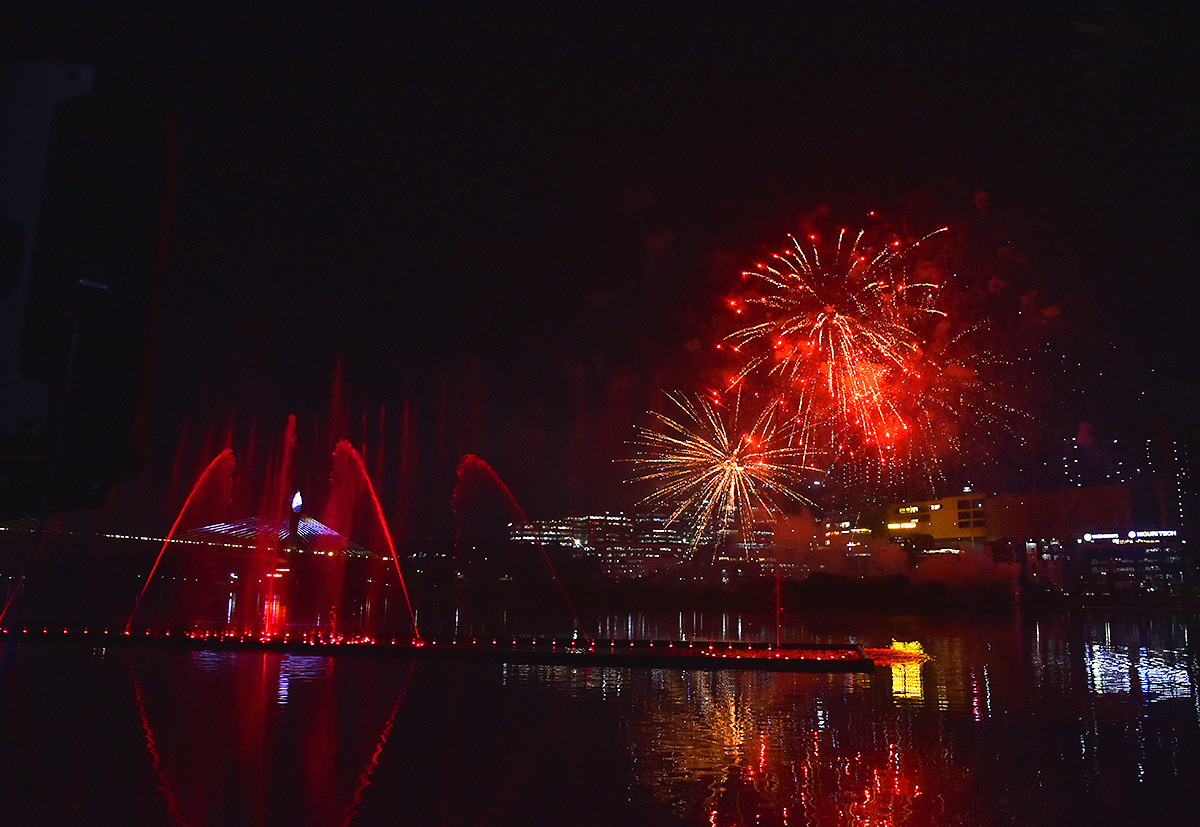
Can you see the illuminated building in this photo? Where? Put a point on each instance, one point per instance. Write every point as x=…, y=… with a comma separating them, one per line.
x=625, y=547
x=1112, y=537
x=1152, y=561
x=950, y=522
x=638, y=545
x=1107, y=539
x=567, y=533
x=1153, y=456
x=758, y=544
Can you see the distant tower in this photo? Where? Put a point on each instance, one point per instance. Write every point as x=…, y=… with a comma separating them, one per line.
x=293, y=542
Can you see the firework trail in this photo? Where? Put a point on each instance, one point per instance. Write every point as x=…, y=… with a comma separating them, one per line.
x=703, y=466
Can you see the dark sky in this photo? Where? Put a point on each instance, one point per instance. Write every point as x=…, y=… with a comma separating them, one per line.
x=528, y=210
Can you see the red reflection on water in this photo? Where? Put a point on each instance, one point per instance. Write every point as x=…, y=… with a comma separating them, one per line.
x=164, y=783
x=241, y=759
x=364, y=778
x=770, y=748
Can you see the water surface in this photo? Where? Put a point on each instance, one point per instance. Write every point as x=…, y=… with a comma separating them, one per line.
x=1080, y=718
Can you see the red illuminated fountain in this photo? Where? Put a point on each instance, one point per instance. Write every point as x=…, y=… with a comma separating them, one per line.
x=283, y=575
x=347, y=460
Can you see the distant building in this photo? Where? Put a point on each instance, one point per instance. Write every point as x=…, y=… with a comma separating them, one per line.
x=1112, y=538
x=1151, y=560
x=851, y=549
x=950, y=522
x=797, y=540
x=624, y=547
x=1147, y=452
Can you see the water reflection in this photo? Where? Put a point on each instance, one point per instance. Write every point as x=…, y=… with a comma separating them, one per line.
x=766, y=748
x=954, y=738
x=1152, y=675
x=1057, y=720
x=224, y=762
x=790, y=749
x=906, y=673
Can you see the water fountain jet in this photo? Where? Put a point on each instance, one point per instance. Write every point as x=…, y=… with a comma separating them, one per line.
x=473, y=475
x=223, y=459
x=345, y=454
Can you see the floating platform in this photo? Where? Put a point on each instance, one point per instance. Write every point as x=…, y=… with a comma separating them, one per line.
x=645, y=654
x=652, y=654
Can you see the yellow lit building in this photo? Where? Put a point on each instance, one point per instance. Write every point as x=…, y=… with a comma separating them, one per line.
x=951, y=521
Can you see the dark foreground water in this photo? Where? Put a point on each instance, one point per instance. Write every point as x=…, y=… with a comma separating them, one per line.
x=1083, y=718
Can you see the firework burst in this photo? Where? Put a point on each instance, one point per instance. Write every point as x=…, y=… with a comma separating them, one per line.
x=846, y=325
x=869, y=365
x=703, y=466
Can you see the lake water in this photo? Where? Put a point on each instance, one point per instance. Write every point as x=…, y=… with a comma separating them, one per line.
x=1074, y=718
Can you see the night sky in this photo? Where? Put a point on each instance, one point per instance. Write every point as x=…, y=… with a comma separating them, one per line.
x=526, y=215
